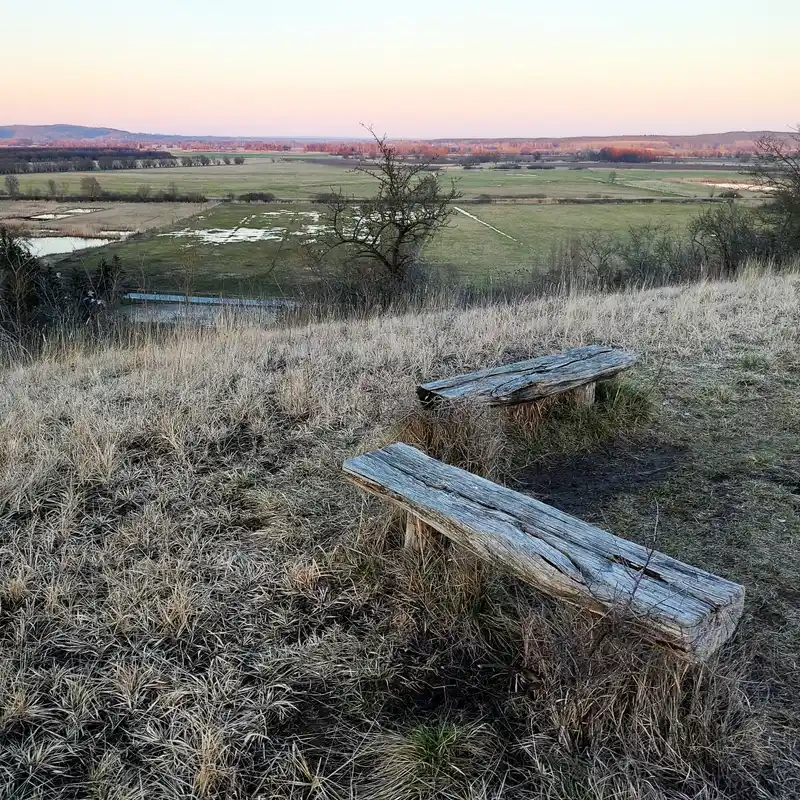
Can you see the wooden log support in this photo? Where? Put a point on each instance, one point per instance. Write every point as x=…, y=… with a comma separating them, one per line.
x=418, y=533
x=585, y=395
x=534, y=379
x=683, y=607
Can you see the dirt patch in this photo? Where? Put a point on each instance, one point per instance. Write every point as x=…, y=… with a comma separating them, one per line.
x=580, y=484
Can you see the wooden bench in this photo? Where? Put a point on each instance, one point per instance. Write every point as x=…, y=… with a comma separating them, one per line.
x=690, y=610
x=525, y=381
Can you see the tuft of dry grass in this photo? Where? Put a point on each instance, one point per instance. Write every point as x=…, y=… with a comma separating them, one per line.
x=194, y=603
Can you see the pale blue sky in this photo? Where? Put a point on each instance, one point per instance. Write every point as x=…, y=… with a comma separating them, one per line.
x=412, y=69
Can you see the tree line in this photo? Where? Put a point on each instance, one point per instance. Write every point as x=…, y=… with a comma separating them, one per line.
x=92, y=189
x=23, y=161
x=620, y=155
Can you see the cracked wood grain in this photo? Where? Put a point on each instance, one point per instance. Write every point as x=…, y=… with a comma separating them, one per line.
x=686, y=608
x=525, y=381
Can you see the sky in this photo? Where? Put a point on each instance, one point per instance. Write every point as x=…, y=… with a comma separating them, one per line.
x=418, y=68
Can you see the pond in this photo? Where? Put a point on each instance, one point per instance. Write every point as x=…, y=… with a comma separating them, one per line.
x=172, y=308
x=58, y=245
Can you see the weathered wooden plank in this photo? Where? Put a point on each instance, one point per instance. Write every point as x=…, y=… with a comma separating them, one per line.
x=525, y=381
x=688, y=609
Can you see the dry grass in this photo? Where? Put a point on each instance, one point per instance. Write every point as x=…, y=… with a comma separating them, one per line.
x=106, y=216
x=193, y=603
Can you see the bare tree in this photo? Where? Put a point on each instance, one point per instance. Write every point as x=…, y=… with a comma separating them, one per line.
x=777, y=169
x=387, y=231
x=12, y=186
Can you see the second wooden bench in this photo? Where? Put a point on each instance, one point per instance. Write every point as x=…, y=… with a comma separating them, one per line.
x=525, y=381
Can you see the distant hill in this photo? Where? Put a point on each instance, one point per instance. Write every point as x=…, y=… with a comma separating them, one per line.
x=52, y=134
x=44, y=134
x=683, y=140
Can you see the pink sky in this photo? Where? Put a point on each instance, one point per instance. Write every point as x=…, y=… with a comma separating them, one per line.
x=523, y=69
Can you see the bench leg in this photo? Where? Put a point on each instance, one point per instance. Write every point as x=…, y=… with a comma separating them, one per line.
x=584, y=395
x=418, y=533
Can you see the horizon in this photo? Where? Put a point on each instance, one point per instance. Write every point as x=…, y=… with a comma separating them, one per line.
x=425, y=73
x=337, y=137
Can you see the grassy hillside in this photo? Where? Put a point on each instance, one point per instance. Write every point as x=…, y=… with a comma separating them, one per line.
x=193, y=603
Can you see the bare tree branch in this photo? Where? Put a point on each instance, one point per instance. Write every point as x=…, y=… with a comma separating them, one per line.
x=389, y=229
x=777, y=170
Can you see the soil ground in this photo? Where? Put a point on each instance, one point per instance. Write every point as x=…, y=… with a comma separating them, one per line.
x=583, y=485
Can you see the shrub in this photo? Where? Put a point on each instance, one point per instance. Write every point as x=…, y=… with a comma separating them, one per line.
x=649, y=255
x=34, y=298
x=20, y=284
x=324, y=198
x=91, y=188
x=654, y=254
x=257, y=197
x=729, y=234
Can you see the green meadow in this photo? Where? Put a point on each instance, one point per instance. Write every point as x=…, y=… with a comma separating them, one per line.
x=507, y=224
x=295, y=176
x=221, y=250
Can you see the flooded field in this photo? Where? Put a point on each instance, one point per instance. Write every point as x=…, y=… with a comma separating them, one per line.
x=232, y=249
x=258, y=227
x=100, y=220
x=744, y=187
x=70, y=212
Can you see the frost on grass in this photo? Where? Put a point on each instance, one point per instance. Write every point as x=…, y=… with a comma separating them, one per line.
x=248, y=231
x=194, y=604
x=312, y=215
x=228, y=235
x=233, y=235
